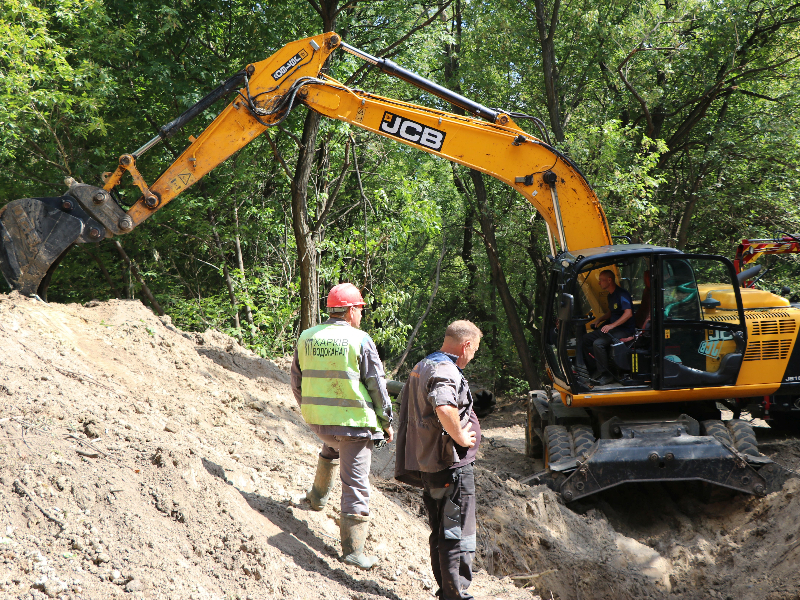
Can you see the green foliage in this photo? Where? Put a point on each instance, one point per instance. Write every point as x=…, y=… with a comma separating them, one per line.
x=622, y=165
x=53, y=91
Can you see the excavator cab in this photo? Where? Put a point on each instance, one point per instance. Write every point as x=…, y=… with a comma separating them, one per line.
x=658, y=420
x=689, y=321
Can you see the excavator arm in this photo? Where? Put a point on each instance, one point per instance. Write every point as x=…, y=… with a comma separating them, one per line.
x=750, y=251
x=36, y=233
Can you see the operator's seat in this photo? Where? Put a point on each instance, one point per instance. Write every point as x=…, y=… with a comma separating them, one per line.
x=631, y=359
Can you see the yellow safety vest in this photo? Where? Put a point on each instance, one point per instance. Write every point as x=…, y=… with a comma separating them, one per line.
x=332, y=391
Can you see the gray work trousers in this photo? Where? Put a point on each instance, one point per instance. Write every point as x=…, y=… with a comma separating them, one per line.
x=449, y=497
x=355, y=458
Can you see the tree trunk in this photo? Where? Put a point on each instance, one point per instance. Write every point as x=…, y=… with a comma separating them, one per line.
x=226, y=273
x=537, y=303
x=542, y=270
x=135, y=272
x=424, y=314
x=487, y=228
x=546, y=25
x=466, y=248
x=248, y=313
x=691, y=204
x=486, y=220
x=305, y=236
x=192, y=293
x=688, y=211
x=127, y=280
x=104, y=271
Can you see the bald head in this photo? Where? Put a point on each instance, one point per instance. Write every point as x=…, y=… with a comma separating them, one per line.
x=462, y=339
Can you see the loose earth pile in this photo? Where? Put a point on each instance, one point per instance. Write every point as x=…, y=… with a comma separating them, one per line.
x=140, y=461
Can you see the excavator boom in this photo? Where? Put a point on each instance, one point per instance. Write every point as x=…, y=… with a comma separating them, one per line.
x=36, y=233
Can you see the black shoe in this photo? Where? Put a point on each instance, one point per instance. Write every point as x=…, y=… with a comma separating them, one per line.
x=605, y=379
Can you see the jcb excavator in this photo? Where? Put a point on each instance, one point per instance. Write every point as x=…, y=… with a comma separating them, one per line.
x=709, y=338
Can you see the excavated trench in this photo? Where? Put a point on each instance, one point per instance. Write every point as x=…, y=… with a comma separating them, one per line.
x=682, y=540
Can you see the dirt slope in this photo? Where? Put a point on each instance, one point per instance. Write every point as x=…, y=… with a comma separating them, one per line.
x=140, y=461
x=137, y=460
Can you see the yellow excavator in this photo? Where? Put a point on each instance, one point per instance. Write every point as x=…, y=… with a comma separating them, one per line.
x=707, y=339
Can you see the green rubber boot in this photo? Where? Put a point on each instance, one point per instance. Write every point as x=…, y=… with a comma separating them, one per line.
x=323, y=482
x=353, y=529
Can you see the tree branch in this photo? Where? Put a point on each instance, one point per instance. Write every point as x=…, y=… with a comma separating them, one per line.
x=388, y=51
x=61, y=150
x=424, y=314
x=764, y=68
x=291, y=135
x=278, y=156
x=755, y=95
x=135, y=270
x=40, y=153
x=332, y=198
x=650, y=125
x=316, y=7
x=350, y=4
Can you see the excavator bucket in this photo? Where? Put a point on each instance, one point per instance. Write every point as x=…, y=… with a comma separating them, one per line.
x=36, y=233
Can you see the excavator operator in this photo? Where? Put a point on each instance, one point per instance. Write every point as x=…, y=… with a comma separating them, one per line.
x=339, y=382
x=620, y=326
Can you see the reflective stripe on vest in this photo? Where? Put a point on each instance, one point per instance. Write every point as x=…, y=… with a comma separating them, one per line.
x=332, y=391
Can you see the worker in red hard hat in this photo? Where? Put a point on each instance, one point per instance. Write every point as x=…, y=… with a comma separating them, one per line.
x=339, y=382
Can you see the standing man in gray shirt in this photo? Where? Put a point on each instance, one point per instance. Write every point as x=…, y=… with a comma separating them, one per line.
x=438, y=435
x=338, y=380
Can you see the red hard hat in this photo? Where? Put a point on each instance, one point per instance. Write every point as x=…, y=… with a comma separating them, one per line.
x=344, y=294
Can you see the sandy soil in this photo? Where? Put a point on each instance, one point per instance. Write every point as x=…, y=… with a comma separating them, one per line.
x=139, y=461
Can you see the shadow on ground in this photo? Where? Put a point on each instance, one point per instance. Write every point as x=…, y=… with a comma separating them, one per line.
x=300, y=542
x=252, y=367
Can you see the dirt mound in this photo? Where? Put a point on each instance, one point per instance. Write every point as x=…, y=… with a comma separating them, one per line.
x=140, y=461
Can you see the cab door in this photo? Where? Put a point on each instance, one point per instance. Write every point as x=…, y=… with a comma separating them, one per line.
x=699, y=314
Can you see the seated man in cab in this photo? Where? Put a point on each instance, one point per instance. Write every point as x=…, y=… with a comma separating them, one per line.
x=620, y=325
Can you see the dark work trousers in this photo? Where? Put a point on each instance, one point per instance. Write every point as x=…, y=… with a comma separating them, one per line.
x=597, y=343
x=449, y=497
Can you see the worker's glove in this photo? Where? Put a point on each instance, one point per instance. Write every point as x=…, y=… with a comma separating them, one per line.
x=378, y=444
